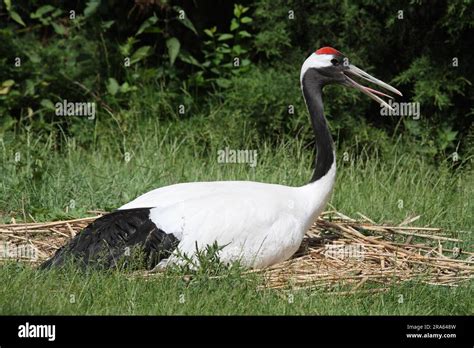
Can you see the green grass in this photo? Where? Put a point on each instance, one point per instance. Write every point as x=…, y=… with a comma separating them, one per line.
x=386, y=187
x=48, y=183
x=73, y=292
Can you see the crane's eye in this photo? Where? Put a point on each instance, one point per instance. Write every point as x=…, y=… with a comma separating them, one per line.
x=334, y=61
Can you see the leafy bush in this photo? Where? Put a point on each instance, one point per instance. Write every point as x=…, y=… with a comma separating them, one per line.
x=152, y=57
x=417, y=48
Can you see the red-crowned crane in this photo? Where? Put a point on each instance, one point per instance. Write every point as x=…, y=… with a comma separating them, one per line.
x=256, y=223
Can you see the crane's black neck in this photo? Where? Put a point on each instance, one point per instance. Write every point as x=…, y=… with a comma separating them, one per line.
x=312, y=90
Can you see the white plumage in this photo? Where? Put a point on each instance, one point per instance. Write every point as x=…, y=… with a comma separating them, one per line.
x=259, y=224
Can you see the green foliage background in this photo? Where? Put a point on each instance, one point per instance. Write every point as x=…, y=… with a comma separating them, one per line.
x=168, y=96
x=182, y=53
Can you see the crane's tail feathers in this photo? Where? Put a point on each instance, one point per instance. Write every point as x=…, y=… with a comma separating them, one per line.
x=114, y=239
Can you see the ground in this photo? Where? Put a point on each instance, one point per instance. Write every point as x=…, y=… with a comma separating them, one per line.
x=388, y=190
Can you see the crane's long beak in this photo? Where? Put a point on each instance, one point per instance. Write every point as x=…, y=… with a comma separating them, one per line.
x=372, y=93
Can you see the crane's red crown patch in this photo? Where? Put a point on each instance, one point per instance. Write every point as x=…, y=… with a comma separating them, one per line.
x=328, y=50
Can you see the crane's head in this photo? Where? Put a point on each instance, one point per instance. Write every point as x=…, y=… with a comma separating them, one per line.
x=328, y=65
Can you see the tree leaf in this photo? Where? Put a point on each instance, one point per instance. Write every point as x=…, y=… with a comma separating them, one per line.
x=188, y=24
x=112, y=86
x=33, y=56
x=223, y=83
x=237, y=10
x=244, y=33
x=91, y=7
x=185, y=21
x=146, y=24
x=47, y=104
x=140, y=54
x=57, y=13
x=237, y=49
x=5, y=87
x=59, y=28
x=173, y=46
x=30, y=87
x=107, y=24
x=246, y=19
x=8, y=83
x=126, y=48
x=16, y=17
x=42, y=11
x=209, y=32
x=234, y=24
x=245, y=62
x=224, y=37
x=6, y=122
x=186, y=57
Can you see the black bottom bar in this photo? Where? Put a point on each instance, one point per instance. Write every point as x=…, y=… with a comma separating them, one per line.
x=332, y=331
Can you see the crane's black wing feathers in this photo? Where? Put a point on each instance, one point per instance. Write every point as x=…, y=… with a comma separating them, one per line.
x=115, y=236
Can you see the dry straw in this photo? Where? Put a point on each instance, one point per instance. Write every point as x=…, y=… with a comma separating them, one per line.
x=338, y=252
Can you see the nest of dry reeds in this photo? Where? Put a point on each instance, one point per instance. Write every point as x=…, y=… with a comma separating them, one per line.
x=338, y=251
x=341, y=252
